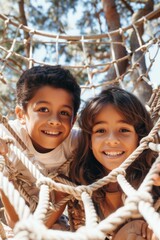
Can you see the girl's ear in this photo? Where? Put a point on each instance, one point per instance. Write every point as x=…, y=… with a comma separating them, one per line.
x=20, y=114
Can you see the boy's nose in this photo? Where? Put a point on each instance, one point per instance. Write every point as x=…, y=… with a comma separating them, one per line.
x=54, y=121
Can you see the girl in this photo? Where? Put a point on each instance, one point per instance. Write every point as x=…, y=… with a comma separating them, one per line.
x=112, y=124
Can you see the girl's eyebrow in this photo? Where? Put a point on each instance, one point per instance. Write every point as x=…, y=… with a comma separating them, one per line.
x=100, y=122
x=104, y=122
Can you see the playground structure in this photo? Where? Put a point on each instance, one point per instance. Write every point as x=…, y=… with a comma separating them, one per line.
x=138, y=202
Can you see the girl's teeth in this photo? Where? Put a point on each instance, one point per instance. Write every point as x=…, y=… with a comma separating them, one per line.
x=113, y=153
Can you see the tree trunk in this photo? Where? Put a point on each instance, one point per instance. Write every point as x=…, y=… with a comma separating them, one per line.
x=24, y=22
x=118, y=51
x=142, y=89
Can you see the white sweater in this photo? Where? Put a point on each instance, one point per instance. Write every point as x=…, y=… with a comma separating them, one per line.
x=47, y=163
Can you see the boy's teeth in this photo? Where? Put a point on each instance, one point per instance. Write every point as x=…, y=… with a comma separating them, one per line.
x=51, y=133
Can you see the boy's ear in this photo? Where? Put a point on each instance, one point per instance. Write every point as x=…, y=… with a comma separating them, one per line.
x=20, y=114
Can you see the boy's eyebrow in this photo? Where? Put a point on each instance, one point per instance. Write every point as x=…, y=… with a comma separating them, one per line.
x=43, y=101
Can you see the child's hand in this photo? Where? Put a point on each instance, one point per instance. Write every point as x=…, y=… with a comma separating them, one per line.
x=3, y=147
x=135, y=230
x=55, y=215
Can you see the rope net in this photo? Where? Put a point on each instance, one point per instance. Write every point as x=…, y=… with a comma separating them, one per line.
x=138, y=202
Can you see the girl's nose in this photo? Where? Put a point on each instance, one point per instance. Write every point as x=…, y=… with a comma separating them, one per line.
x=54, y=121
x=112, y=139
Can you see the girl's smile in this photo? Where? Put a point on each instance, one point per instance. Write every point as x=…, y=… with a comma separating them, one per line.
x=113, y=138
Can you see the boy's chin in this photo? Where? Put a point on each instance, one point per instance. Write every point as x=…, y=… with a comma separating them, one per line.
x=41, y=149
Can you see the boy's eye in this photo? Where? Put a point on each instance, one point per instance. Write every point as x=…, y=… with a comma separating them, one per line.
x=65, y=113
x=43, y=109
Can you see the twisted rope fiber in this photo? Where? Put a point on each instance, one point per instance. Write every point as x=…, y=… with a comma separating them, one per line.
x=4, y=121
x=91, y=216
x=14, y=197
x=43, y=203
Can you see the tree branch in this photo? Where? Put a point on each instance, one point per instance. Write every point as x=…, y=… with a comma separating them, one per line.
x=24, y=22
x=128, y=6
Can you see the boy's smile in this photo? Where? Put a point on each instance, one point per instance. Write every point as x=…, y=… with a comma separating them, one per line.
x=49, y=117
x=51, y=133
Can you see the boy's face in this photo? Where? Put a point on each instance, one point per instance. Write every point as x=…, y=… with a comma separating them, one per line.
x=49, y=117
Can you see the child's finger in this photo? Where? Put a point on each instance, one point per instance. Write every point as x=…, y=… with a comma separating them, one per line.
x=144, y=227
x=156, y=179
x=156, y=176
x=3, y=147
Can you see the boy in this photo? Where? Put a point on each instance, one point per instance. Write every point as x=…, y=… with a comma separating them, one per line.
x=48, y=98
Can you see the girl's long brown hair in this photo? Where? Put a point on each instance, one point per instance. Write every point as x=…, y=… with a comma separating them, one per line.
x=85, y=169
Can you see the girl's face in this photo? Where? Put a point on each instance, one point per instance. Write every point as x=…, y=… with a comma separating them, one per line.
x=113, y=139
x=49, y=117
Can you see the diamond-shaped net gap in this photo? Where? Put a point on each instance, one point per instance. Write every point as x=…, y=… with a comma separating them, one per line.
x=13, y=57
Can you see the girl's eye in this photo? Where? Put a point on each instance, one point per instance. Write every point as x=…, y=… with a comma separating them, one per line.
x=100, y=131
x=123, y=130
x=43, y=109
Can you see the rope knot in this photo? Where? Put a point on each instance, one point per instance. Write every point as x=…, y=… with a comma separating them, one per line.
x=121, y=171
x=117, y=171
x=29, y=229
x=139, y=196
x=81, y=189
x=147, y=139
x=45, y=181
